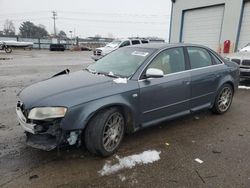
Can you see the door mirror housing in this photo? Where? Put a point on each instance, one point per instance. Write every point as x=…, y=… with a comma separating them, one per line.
x=154, y=73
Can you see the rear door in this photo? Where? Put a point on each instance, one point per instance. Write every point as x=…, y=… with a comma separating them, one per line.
x=205, y=76
x=168, y=96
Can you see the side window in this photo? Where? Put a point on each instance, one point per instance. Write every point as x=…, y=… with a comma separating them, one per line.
x=144, y=41
x=135, y=42
x=125, y=43
x=169, y=61
x=199, y=57
x=216, y=60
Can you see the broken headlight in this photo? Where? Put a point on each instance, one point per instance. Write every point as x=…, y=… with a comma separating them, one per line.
x=42, y=113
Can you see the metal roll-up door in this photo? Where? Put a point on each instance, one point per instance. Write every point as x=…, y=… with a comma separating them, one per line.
x=244, y=38
x=203, y=26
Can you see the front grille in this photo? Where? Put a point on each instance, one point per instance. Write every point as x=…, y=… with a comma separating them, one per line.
x=246, y=74
x=97, y=52
x=246, y=62
x=236, y=61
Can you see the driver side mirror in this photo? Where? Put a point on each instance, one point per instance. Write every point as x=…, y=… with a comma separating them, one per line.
x=154, y=73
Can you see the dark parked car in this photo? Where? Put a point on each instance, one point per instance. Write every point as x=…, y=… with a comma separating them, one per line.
x=129, y=89
x=56, y=47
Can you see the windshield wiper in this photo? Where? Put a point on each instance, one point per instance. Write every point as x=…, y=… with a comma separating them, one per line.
x=91, y=71
x=109, y=74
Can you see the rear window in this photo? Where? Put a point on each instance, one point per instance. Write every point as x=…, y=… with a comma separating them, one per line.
x=135, y=42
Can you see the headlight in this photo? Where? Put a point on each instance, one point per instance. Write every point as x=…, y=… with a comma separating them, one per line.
x=42, y=113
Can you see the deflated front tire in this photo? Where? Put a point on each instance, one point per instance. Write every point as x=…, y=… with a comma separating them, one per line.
x=105, y=132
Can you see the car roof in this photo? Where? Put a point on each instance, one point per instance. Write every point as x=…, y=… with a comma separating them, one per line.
x=159, y=46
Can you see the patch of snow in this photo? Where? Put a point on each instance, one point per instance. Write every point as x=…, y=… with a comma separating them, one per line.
x=111, y=74
x=120, y=80
x=130, y=161
x=122, y=177
x=198, y=160
x=244, y=87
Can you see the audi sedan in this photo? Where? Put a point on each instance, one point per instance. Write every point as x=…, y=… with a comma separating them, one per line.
x=129, y=89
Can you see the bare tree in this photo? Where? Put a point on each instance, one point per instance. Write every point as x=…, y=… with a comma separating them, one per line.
x=9, y=28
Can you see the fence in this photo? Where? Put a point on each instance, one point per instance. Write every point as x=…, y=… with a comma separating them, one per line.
x=45, y=43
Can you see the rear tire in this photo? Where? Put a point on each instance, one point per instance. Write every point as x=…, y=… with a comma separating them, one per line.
x=105, y=132
x=223, y=99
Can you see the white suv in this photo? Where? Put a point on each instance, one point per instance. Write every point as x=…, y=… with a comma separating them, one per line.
x=98, y=53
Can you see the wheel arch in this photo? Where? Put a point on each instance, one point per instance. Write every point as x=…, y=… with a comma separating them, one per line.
x=227, y=80
x=125, y=110
x=78, y=117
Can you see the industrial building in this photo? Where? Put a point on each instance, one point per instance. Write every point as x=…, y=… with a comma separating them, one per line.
x=214, y=23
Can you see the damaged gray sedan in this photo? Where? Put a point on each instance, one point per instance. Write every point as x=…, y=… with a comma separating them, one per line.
x=129, y=89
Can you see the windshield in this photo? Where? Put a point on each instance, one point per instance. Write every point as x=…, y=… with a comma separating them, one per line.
x=122, y=62
x=114, y=44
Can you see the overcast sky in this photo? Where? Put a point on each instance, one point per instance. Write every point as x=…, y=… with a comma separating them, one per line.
x=120, y=18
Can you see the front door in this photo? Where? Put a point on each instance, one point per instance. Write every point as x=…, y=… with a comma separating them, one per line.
x=168, y=96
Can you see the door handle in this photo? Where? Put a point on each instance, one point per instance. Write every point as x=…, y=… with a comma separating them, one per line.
x=187, y=82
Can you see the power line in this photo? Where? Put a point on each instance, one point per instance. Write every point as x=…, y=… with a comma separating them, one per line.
x=117, y=14
x=110, y=21
x=24, y=13
x=90, y=13
x=27, y=19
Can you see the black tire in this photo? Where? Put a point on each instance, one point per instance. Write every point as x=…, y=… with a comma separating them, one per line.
x=217, y=108
x=98, y=127
x=8, y=50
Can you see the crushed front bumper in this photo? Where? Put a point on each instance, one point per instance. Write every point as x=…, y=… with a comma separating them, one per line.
x=45, y=135
x=41, y=141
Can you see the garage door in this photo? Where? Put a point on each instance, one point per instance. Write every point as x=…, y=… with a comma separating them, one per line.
x=203, y=26
x=245, y=26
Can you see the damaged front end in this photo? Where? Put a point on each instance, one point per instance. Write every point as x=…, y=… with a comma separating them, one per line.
x=45, y=134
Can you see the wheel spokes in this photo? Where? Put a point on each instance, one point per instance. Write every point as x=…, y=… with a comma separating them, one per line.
x=113, y=131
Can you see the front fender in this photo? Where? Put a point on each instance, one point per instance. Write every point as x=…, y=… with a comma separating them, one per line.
x=78, y=116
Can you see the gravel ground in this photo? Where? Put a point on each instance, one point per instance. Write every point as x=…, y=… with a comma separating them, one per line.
x=221, y=142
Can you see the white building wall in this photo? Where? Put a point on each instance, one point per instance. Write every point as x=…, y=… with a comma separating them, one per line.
x=230, y=24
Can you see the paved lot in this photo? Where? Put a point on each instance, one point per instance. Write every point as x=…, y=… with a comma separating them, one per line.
x=222, y=142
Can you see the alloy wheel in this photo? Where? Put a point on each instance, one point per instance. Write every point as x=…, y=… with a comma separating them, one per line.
x=113, y=131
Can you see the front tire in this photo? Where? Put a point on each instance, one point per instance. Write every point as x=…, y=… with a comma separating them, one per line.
x=8, y=49
x=105, y=132
x=223, y=99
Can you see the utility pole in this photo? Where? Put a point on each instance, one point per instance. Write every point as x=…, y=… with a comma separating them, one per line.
x=54, y=18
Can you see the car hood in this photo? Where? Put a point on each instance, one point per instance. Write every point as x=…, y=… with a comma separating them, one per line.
x=245, y=49
x=106, y=50
x=239, y=55
x=68, y=90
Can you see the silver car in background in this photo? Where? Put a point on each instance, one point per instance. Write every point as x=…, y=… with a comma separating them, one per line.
x=243, y=60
